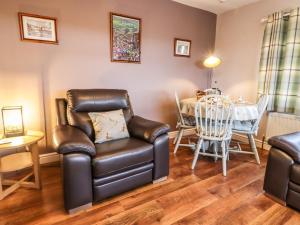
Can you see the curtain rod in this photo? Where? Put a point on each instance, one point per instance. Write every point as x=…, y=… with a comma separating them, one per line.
x=265, y=19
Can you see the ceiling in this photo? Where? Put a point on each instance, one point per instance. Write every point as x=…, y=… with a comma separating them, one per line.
x=216, y=6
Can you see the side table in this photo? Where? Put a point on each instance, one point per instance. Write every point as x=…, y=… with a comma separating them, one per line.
x=18, y=161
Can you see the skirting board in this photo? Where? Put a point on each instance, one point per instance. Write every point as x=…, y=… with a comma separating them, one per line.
x=238, y=137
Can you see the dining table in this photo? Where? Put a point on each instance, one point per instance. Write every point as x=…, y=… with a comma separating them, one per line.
x=244, y=113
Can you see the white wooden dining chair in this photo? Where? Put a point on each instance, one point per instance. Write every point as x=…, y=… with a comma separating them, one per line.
x=184, y=122
x=213, y=115
x=251, y=128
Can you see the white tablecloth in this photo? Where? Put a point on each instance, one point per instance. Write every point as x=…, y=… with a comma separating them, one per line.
x=242, y=111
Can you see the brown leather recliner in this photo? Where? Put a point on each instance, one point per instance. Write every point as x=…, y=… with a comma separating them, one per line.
x=282, y=178
x=93, y=172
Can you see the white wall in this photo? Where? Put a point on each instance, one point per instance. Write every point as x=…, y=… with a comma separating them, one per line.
x=238, y=43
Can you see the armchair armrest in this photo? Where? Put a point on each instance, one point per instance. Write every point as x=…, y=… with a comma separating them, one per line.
x=146, y=129
x=288, y=143
x=68, y=139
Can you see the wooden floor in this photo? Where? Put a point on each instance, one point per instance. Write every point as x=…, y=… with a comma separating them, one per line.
x=202, y=196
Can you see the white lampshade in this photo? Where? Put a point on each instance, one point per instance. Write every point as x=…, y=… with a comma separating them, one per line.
x=212, y=62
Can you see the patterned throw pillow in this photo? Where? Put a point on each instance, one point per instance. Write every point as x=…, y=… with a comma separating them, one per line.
x=109, y=125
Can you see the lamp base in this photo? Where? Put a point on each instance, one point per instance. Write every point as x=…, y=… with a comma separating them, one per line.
x=13, y=134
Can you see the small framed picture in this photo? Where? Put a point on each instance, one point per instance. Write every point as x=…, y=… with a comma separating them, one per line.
x=125, y=38
x=38, y=28
x=182, y=47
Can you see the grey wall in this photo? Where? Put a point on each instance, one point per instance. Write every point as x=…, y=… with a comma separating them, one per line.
x=82, y=59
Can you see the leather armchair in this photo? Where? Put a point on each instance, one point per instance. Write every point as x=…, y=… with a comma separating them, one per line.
x=93, y=172
x=282, y=178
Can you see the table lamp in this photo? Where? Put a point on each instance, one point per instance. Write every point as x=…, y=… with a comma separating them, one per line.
x=13, y=124
x=211, y=62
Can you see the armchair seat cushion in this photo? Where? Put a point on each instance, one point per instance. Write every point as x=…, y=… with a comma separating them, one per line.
x=121, y=155
x=295, y=173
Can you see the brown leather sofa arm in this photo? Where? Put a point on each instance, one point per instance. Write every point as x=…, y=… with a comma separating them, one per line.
x=68, y=139
x=288, y=143
x=146, y=129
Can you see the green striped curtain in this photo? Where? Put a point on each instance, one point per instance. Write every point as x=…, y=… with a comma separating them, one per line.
x=280, y=62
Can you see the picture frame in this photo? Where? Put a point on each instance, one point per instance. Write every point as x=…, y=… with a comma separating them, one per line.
x=125, y=38
x=37, y=28
x=182, y=47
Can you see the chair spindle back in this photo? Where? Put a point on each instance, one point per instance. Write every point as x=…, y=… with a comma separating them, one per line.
x=178, y=107
x=213, y=115
x=262, y=104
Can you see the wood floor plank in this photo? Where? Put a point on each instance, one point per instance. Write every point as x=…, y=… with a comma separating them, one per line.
x=93, y=216
x=174, y=206
x=277, y=215
x=213, y=213
x=247, y=211
x=137, y=215
x=155, y=193
x=183, y=202
x=250, y=174
x=222, y=186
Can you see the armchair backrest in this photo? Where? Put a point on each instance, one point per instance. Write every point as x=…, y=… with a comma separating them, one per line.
x=61, y=111
x=82, y=101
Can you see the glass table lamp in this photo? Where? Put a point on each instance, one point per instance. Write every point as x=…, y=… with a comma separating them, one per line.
x=13, y=124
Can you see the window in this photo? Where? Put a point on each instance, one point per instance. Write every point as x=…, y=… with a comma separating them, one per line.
x=280, y=62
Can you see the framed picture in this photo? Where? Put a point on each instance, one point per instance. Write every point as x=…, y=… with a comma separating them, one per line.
x=125, y=38
x=38, y=28
x=182, y=47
